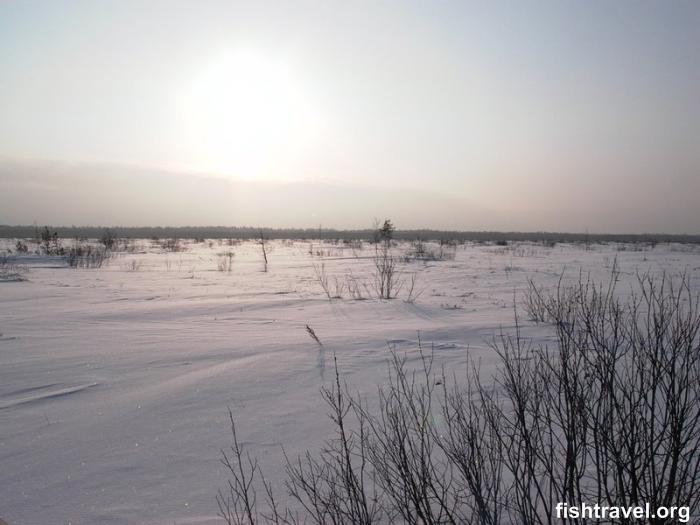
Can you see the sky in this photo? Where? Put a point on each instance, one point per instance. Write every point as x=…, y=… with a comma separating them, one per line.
x=556, y=116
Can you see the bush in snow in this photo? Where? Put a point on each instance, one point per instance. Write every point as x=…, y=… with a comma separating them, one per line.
x=610, y=414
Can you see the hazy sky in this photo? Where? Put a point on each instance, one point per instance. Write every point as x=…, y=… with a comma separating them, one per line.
x=519, y=115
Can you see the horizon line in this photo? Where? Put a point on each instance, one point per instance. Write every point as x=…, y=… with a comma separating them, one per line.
x=326, y=232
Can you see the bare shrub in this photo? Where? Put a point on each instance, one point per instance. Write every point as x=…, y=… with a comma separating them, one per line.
x=322, y=278
x=109, y=240
x=172, y=245
x=225, y=262
x=10, y=272
x=447, y=250
x=357, y=289
x=338, y=288
x=87, y=256
x=125, y=245
x=238, y=505
x=412, y=291
x=610, y=414
x=535, y=304
x=50, y=242
x=423, y=251
x=542, y=307
x=419, y=249
x=386, y=276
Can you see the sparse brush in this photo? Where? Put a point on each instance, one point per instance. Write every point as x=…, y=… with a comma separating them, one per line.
x=125, y=245
x=413, y=292
x=50, y=242
x=611, y=412
x=87, y=256
x=339, y=288
x=108, y=239
x=534, y=304
x=358, y=290
x=322, y=278
x=10, y=272
x=225, y=263
x=386, y=276
x=423, y=251
x=172, y=245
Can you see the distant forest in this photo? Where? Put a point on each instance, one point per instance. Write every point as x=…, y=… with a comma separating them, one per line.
x=249, y=232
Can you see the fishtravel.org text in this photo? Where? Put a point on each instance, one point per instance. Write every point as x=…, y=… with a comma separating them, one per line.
x=641, y=512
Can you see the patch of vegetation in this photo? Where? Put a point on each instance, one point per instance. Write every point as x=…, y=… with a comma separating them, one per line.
x=610, y=413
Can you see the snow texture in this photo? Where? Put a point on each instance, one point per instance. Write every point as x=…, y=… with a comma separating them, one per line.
x=115, y=382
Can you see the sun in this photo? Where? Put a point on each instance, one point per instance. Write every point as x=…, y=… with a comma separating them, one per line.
x=250, y=117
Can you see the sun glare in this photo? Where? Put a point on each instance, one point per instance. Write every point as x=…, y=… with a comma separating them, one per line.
x=250, y=117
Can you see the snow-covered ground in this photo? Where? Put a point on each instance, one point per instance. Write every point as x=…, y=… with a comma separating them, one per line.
x=115, y=382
